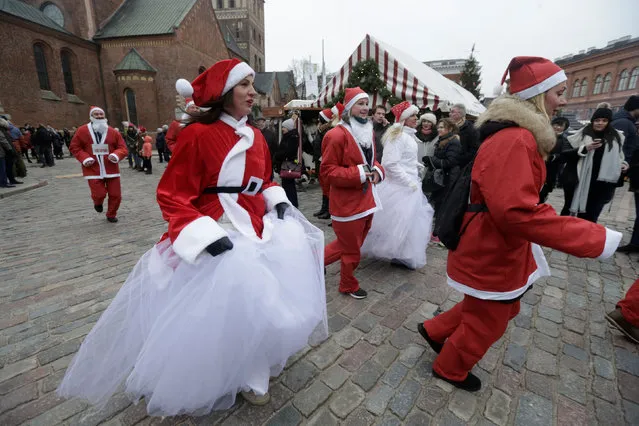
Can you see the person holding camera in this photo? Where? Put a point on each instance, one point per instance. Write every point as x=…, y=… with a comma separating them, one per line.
x=350, y=169
x=601, y=162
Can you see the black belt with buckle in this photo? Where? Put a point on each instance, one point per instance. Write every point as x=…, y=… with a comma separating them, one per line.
x=250, y=188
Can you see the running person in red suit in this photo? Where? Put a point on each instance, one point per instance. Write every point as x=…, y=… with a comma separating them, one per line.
x=99, y=147
x=499, y=256
x=350, y=170
x=177, y=125
x=231, y=291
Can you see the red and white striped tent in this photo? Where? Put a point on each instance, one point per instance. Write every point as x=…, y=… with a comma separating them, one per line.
x=406, y=77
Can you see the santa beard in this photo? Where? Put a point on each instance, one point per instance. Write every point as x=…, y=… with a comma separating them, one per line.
x=100, y=125
x=363, y=133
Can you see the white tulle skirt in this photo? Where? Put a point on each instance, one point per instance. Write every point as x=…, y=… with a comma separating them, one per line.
x=401, y=230
x=187, y=337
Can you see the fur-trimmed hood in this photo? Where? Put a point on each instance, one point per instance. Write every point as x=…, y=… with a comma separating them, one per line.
x=507, y=108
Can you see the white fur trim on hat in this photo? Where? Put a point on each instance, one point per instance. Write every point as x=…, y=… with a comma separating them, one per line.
x=430, y=117
x=237, y=74
x=92, y=110
x=189, y=103
x=288, y=124
x=544, y=86
x=353, y=101
x=184, y=88
x=324, y=117
x=411, y=110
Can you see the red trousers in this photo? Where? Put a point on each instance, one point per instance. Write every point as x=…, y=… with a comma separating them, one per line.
x=99, y=190
x=630, y=305
x=350, y=237
x=468, y=329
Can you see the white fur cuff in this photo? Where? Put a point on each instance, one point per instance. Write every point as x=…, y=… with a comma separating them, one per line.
x=613, y=238
x=362, y=173
x=273, y=196
x=114, y=158
x=196, y=236
x=86, y=161
x=381, y=173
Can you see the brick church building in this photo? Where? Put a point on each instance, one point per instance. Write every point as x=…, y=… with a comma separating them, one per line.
x=62, y=56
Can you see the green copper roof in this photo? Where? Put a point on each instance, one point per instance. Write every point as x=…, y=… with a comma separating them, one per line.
x=133, y=61
x=146, y=17
x=29, y=13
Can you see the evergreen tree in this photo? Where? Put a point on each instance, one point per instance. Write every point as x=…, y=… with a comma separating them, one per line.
x=471, y=75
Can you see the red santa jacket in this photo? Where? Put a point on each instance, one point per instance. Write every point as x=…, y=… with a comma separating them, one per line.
x=496, y=258
x=226, y=153
x=352, y=196
x=172, y=134
x=104, y=167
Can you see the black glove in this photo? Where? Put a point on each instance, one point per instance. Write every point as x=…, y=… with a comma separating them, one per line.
x=281, y=209
x=219, y=246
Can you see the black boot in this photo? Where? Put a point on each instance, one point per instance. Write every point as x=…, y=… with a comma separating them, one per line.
x=472, y=383
x=324, y=208
x=98, y=208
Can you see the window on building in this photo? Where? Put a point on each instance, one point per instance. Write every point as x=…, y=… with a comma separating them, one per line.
x=53, y=12
x=259, y=39
x=41, y=66
x=598, y=84
x=237, y=30
x=584, y=87
x=220, y=4
x=633, y=79
x=131, y=108
x=623, y=80
x=253, y=33
x=232, y=4
x=260, y=62
x=255, y=61
x=65, y=58
x=575, y=89
x=607, y=81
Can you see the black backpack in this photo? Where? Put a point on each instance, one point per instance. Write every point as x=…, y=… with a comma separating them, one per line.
x=454, y=207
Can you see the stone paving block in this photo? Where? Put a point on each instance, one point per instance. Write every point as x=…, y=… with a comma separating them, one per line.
x=449, y=419
x=59, y=413
x=335, y=376
x=18, y=397
x=323, y=418
x=59, y=351
x=508, y=380
x=575, y=352
x=348, y=337
x=287, y=416
x=395, y=374
x=553, y=292
x=389, y=420
x=498, y=408
x=631, y=412
x=550, y=314
x=23, y=379
x=403, y=401
x=417, y=418
x=490, y=360
x=378, y=399
x=628, y=386
x=365, y=322
x=575, y=325
x=603, y=368
x=604, y=389
x=569, y=413
x=546, y=343
x=12, y=370
x=523, y=321
x=600, y=347
x=607, y=413
x=346, y=400
x=308, y=400
x=572, y=386
x=533, y=410
x=463, y=404
x=540, y=384
x=573, y=338
x=548, y=328
x=627, y=361
x=411, y=355
x=520, y=336
x=337, y=322
x=359, y=417
x=298, y=376
x=431, y=399
x=599, y=329
x=30, y=410
x=541, y=362
x=402, y=338
x=385, y=355
x=378, y=335
x=394, y=319
x=515, y=356
x=353, y=358
x=367, y=375
x=552, y=302
x=248, y=414
x=325, y=355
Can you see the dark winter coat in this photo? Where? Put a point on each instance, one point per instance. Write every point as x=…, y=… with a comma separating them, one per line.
x=448, y=157
x=160, y=142
x=287, y=149
x=625, y=122
x=469, y=138
x=271, y=140
x=42, y=137
x=6, y=148
x=379, y=129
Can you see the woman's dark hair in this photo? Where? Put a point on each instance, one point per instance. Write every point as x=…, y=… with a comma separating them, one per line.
x=449, y=124
x=609, y=134
x=213, y=114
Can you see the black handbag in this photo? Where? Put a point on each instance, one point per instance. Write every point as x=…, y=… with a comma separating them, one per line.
x=433, y=179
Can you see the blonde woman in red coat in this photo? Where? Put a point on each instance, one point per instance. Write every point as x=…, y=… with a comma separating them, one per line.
x=351, y=171
x=100, y=148
x=499, y=256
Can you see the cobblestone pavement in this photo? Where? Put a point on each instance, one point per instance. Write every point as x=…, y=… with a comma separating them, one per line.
x=558, y=363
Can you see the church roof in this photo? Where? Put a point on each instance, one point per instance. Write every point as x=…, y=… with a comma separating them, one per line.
x=286, y=80
x=264, y=82
x=24, y=11
x=146, y=17
x=133, y=61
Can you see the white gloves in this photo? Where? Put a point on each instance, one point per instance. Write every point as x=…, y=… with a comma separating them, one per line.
x=88, y=162
x=114, y=158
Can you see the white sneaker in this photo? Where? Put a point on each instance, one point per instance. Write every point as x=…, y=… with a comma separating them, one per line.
x=254, y=399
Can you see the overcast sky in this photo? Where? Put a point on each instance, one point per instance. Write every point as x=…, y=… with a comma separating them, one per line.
x=445, y=29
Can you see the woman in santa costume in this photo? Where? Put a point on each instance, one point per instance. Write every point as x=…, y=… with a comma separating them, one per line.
x=499, y=256
x=233, y=289
x=401, y=230
x=350, y=170
x=99, y=148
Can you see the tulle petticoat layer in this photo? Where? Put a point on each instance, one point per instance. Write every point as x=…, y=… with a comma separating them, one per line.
x=187, y=338
x=401, y=229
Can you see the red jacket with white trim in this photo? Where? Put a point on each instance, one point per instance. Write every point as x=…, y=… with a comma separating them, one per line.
x=496, y=259
x=103, y=167
x=352, y=196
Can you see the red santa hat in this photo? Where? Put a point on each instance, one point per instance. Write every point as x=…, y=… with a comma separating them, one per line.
x=403, y=110
x=351, y=96
x=326, y=114
x=189, y=102
x=215, y=82
x=531, y=76
x=338, y=109
x=94, y=109
x=142, y=129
